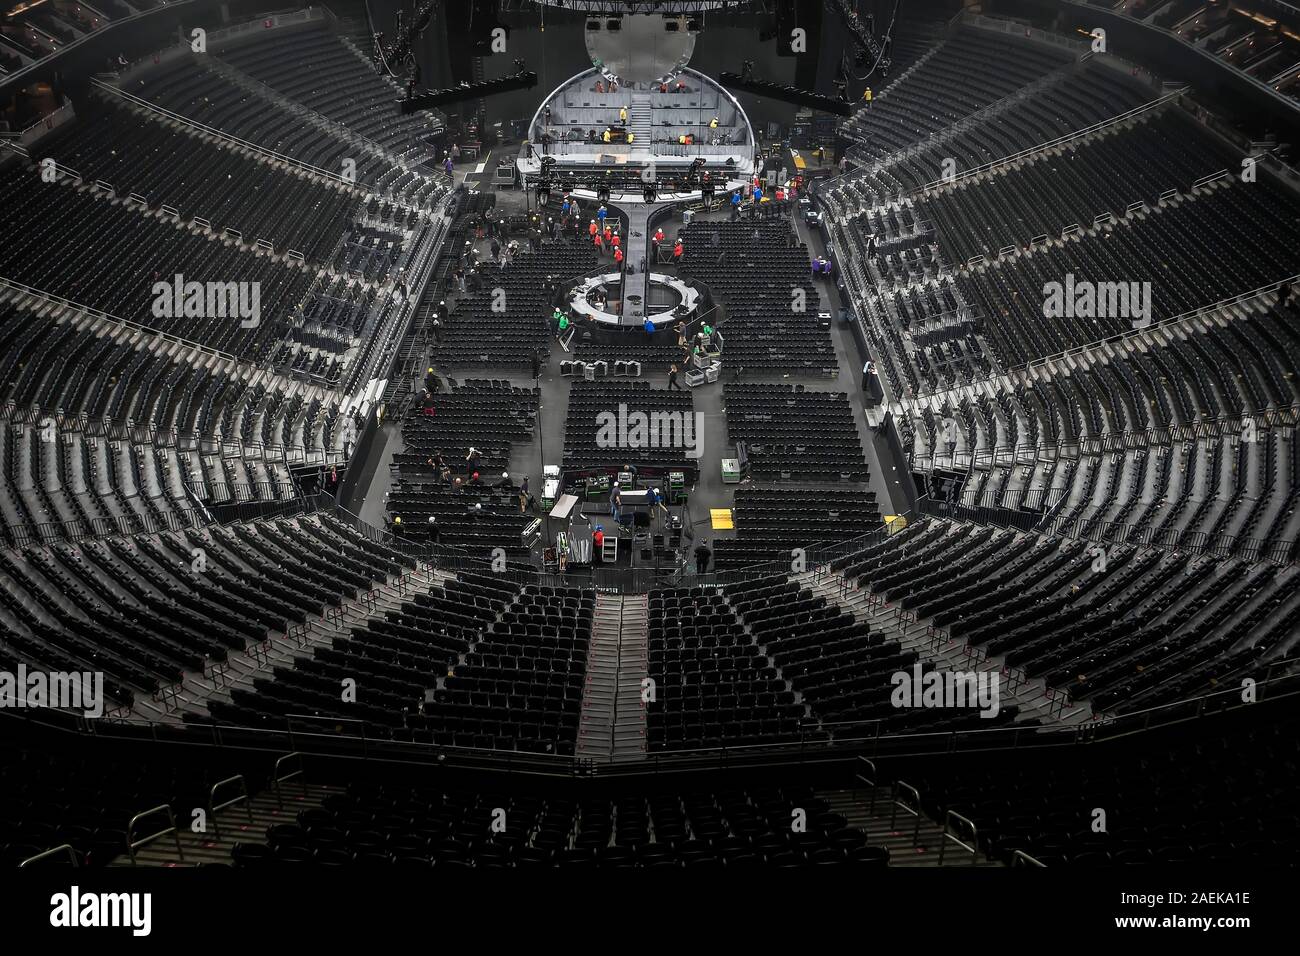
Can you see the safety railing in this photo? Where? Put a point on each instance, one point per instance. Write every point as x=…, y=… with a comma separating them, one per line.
x=951, y=832
x=214, y=808
x=866, y=774
x=280, y=778
x=133, y=845
x=65, y=848
x=898, y=791
x=1021, y=858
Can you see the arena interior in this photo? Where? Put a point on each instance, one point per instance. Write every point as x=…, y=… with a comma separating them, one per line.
x=723, y=433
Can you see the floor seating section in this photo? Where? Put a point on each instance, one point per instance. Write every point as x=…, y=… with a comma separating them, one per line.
x=791, y=432
x=507, y=328
x=601, y=431
x=775, y=524
x=477, y=516
x=761, y=275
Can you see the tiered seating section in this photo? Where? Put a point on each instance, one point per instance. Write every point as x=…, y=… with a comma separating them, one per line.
x=472, y=663
x=970, y=71
x=148, y=610
x=1123, y=628
x=416, y=827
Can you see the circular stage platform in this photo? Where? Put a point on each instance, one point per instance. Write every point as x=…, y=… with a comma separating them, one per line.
x=670, y=300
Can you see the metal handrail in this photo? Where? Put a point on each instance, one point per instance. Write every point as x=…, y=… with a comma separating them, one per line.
x=279, y=779
x=131, y=845
x=974, y=836
x=214, y=807
x=899, y=787
x=1021, y=858
x=869, y=781
x=64, y=847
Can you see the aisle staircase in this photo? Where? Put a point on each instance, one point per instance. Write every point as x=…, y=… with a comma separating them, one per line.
x=244, y=821
x=613, y=722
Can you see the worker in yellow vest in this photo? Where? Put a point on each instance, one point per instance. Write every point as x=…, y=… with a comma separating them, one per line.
x=867, y=96
x=713, y=123
x=606, y=136
x=622, y=115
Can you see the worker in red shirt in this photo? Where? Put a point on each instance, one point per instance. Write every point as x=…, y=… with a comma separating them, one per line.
x=618, y=256
x=677, y=251
x=609, y=235
x=593, y=229
x=599, y=244
x=616, y=240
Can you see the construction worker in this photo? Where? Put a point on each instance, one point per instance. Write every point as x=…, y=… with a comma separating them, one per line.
x=713, y=123
x=622, y=115
x=631, y=137
x=616, y=241
x=593, y=229
x=564, y=323
x=618, y=256
x=681, y=139
x=605, y=137
x=601, y=213
x=608, y=234
x=677, y=251
x=867, y=96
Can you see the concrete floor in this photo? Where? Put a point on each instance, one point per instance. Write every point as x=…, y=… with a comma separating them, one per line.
x=886, y=476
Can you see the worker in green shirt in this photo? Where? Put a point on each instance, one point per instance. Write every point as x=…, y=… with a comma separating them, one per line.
x=564, y=323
